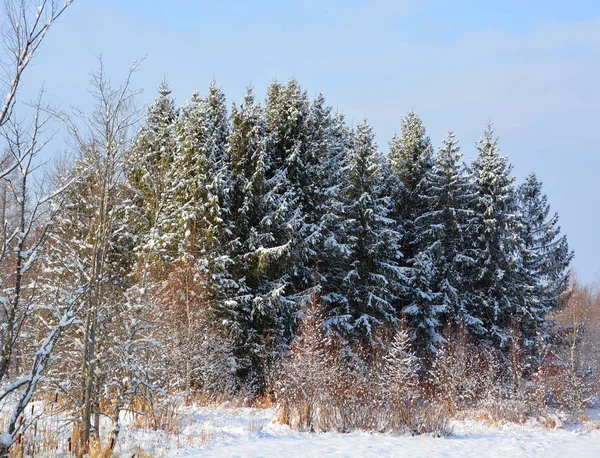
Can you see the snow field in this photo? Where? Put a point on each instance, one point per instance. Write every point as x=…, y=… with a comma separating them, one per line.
x=247, y=432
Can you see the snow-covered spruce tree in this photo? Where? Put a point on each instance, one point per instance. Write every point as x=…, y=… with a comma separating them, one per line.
x=216, y=127
x=256, y=312
x=499, y=297
x=315, y=146
x=425, y=305
x=180, y=291
x=188, y=196
x=197, y=219
x=290, y=177
x=214, y=211
x=326, y=138
x=443, y=233
x=411, y=157
x=199, y=182
x=314, y=179
x=371, y=284
x=304, y=147
x=333, y=250
x=545, y=254
x=148, y=164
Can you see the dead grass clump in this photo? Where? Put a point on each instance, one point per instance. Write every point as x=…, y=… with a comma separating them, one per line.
x=263, y=401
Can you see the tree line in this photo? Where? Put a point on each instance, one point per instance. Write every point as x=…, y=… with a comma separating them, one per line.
x=274, y=203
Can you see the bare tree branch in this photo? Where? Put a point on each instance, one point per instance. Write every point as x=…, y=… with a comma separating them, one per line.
x=26, y=28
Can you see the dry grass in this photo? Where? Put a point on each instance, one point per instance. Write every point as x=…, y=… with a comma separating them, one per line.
x=264, y=401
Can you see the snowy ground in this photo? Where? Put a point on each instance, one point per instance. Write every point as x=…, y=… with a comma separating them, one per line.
x=224, y=431
x=227, y=432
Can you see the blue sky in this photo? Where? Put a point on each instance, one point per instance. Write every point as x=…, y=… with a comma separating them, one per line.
x=529, y=67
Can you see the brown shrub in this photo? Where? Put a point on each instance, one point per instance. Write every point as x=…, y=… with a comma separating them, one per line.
x=317, y=390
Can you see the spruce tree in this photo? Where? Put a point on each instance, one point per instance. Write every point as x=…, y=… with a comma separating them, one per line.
x=215, y=124
x=216, y=127
x=148, y=164
x=371, y=284
x=545, y=255
x=333, y=249
x=411, y=153
x=192, y=204
x=257, y=311
x=287, y=111
x=199, y=179
x=497, y=290
x=444, y=233
x=319, y=179
x=426, y=305
x=411, y=157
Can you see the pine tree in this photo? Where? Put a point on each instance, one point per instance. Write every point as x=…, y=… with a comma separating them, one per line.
x=497, y=291
x=545, y=255
x=444, y=233
x=148, y=164
x=291, y=176
x=370, y=286
x=257, y=312
x=411, y=157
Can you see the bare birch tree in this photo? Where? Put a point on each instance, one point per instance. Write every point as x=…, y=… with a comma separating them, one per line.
x=23, y=28
x=93, y=232
x=25, y=231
